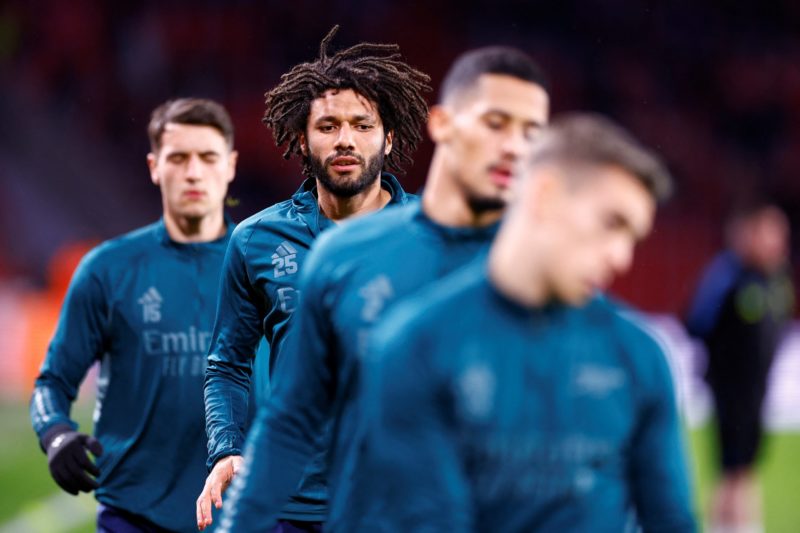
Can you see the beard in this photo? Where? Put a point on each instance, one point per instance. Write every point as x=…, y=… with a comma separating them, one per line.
x=480, y=205
x=346, y=187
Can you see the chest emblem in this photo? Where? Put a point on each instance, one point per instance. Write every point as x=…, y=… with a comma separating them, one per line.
x=284, y=260
x=151, y=302
x=375, y=294
x=598, y=380
x=475, y=388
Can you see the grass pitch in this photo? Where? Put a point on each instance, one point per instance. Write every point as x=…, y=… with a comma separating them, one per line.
x=28, y=491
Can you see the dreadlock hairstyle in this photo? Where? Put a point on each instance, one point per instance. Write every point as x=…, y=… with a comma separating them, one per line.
x=374, y=71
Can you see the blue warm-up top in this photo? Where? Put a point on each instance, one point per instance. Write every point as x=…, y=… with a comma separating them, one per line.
x=258, y=295
x=143, y=306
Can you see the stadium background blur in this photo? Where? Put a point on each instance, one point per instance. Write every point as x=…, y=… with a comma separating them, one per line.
x=713, y=86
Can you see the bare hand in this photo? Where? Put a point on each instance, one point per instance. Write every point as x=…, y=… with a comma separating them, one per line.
x=217, y=482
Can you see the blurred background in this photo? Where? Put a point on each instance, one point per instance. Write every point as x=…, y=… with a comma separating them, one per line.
x=713, y=86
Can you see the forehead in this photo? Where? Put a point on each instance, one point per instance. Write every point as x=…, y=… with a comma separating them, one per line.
x=614, y=190
x=507, y=94
x=341, y=104
x=192, y=137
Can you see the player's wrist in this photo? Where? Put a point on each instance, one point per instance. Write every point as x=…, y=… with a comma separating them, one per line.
x=228, y=455
x=52, y=433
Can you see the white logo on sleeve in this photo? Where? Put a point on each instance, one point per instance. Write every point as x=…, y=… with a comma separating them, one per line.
x=476, y=390
x=375, y=293
x=284, y=260
x=58, y=441
x=151, y=302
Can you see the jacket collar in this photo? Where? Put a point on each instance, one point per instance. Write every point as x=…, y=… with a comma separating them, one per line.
x=305, y=201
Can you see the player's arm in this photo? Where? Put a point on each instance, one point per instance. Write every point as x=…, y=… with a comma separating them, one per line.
x=237, y=332
x=285, y=434
x=658, y=470
x=76, y=345
x=412, y=464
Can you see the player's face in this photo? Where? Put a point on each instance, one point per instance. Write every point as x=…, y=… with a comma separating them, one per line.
x=485, y=133
x=594, y=227
x=193, y=169
x=769, y=240
x=345, y=142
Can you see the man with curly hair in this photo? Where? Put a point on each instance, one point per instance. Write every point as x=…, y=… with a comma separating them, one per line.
x=492, y=105
x=347, y=116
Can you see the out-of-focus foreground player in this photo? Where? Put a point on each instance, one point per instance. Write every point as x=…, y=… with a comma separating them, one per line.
x=492, y=106
x=741, y=308
x=143, y=306
x=512, y=396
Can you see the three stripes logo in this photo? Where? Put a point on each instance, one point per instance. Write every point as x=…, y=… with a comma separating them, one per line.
x=284, y=260
x=151, y=302
x=375, y=294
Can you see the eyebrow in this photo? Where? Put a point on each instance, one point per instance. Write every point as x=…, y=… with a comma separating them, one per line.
x=186, y=152
x=626, y=222
x=353, y=118
x=507, y=115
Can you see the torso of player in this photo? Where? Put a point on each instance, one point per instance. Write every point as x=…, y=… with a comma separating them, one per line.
x=411, y=252
x=546, y=406
x=277, y=244
x=275, y=256
x=162, y=302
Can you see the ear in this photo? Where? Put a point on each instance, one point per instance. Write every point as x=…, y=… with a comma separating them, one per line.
x=233, y=157
x=152, y=161
x=389, y=138
x=439, y=123
x=301, y=137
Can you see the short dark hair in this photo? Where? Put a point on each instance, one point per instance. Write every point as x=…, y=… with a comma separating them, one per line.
x=589, y=139
x=195, y=111
x=374, y=71
x=469, y=66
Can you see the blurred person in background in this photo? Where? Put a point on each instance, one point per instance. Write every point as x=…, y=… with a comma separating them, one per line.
x=514, y=396
x=492, y=107
x=742, y=305
x=348, y=116
x=142, y=305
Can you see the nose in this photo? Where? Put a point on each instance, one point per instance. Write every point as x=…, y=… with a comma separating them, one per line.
x=194, y=168
x=344, y=141
x=516, y=144
x=621, y=256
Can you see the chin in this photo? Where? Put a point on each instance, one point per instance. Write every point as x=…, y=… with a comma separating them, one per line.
x=193, y=214
x=577, y=299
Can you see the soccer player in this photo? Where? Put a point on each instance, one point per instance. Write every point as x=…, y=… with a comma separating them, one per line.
x=512, y=396
x=347, y=116
x=741, y=308
x=143, y=306
x=492, y=106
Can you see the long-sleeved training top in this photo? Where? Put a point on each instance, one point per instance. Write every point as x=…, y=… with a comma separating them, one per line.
x=483, y=415
x=143, y=306
x=258, y=295
x=352, y=275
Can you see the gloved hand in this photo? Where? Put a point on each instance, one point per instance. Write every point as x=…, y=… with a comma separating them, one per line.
x=69, y=464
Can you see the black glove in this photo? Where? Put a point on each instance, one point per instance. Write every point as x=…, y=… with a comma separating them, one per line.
x=66, y=457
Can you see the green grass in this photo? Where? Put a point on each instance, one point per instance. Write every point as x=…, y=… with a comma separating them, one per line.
x=25, y=481
x=24, y=478
x=778, y=469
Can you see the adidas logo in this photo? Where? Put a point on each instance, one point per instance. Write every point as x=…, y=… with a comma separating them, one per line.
x=151, y=302
x=284, y=249
x=375, y=294
x=284, y=259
